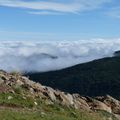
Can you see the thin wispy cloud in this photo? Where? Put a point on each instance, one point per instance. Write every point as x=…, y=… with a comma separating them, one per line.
x=45, y=13
x=49, y=7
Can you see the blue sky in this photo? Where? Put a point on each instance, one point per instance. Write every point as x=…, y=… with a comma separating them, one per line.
x=59, y=19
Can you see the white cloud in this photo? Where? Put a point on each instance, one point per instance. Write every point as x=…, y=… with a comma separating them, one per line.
x=45, y=13
x=41, y=56
x=70, y=7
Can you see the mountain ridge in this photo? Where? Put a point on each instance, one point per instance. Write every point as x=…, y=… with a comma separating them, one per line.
x=95, y=78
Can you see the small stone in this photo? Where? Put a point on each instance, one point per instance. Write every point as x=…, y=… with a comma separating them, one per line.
x=42, y=114
x=10, y=97
x=36, y=103
x=31, y=90
x=24, y=98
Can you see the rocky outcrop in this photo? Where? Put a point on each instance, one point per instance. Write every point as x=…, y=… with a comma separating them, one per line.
x=9, y=82
x=111, y=102
x=98, y=105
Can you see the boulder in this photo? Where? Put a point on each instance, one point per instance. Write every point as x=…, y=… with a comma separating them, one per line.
x=50, y=93
x=98, y=105
x=80, y=102
x=65, y=99
x=113, y=103
x=19, y=83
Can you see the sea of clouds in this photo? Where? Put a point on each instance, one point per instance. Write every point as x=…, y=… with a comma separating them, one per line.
x=31, y=56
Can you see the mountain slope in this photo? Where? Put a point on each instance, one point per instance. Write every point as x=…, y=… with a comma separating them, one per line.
x=96, y=78
x=23, y=99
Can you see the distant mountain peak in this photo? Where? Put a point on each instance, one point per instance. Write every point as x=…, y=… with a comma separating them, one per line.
x=117, y=53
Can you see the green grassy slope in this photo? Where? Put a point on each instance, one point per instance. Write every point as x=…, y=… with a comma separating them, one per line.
x=23, y=99
x=18, y=108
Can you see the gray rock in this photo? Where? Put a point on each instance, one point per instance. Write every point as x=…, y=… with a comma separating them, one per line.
x=1, y=81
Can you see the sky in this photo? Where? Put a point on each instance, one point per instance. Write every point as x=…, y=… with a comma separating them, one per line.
x=59, y=33
x=56, y=20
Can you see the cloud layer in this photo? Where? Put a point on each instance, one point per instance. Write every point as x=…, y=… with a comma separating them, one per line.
x=39, y=56
x=73, y=6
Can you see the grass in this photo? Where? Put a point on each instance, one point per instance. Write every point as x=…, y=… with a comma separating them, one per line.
x=16, y=100
x=20, y=105
x=30, y=115
x=19, y=108
x=38, y=115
